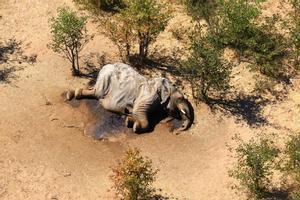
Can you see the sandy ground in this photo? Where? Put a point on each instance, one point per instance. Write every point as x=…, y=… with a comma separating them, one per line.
x=47, y=153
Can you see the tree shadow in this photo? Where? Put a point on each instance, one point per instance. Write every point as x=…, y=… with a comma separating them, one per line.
x=159, y=196
x=8, y=48
x=247, y=108
x=11, y=59
x=6, y=74
x=161, y=59
x=277, y=194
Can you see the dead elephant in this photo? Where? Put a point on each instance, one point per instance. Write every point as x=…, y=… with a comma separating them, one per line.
x=121, y=89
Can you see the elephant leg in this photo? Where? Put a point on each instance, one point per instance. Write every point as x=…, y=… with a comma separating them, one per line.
x=80, y=93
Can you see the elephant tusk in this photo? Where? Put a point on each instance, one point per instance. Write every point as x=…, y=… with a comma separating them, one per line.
x=183, y=111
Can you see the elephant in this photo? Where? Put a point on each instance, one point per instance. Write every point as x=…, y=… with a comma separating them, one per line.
x=121, y=89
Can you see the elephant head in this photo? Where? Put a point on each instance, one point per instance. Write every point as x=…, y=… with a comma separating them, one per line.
x=176, y=104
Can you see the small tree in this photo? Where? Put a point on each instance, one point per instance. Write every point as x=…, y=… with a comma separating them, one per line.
x=139, y=23
x=119, y=30
x=133, y=176
x=254, y=165
x=69, y=36
x=205, y=69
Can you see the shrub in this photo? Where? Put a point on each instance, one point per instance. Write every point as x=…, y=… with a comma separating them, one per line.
x=140, y=22
x=254, y=165
x=96, y=6
x=292, y=162
x=266, y=49
x=256, y=42
x=205, y=70
x=133, y=176
x=237, y=24
x=69, y=36
x=295, y=32
x=119, y=31
x=201, y=9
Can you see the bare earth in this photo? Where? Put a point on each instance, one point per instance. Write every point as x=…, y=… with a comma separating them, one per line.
x=46, y=151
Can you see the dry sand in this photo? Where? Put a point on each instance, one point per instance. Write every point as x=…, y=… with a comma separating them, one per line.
x=45, y=153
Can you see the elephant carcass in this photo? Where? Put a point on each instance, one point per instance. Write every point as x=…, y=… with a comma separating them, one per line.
x=119, y=88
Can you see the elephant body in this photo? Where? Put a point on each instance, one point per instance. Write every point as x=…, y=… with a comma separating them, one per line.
x=121, y=89
x=119, y=86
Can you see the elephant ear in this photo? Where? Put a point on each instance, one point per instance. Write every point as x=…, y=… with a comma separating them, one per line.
x=165, y=92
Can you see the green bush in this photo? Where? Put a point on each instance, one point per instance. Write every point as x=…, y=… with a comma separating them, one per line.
x=256, y=42
x=201, y=9
x=266, y=49
x=237, y=24
x=119, y=30
x=295, y=32
x=205, y=69
x=138, y=24
x=295, y=40
x=68, y=36
x=292, y=162
x=255, y=161
x=133, y=176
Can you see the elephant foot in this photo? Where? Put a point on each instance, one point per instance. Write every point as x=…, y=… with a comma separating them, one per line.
x=129, y=122
x=74, y=93
x=78, y=93
x=70, y=95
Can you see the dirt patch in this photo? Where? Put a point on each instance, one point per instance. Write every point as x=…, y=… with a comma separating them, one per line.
x=50, y=149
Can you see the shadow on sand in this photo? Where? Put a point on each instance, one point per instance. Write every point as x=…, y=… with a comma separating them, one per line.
x=243, y=108
x=11, y=58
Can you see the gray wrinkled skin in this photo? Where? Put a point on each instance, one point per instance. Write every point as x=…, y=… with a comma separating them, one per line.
x=120, y=86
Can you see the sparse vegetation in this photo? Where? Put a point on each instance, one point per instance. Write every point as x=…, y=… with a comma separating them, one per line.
x=294, y=26
x=255, y=161
x=292, y=163
x=205, y=69
x=237, y=24
x=201, y=9
x=133, y=176
x=69, y=36
x=255, y=42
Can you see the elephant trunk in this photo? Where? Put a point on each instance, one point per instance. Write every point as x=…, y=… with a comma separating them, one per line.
x=187, y=116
